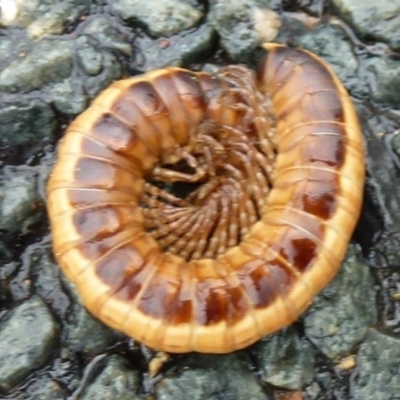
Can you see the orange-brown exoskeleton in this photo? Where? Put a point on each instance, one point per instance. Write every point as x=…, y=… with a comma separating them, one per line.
x=199, y=212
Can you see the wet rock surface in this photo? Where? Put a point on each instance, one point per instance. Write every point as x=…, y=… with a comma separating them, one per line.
x=42, y=17
x=285, y=359
x=372, y=20
x=56, y=56
x=342, y=313
x=212, y=376
x=382, y=75
x=50, y=64
x=176, y=50
x=20, y=203
x=42, y=389
x=85, y=333
x=27, y=339
x=160, y=17
x=376, y=375
x=243, y=25
x=115, y=380
x=27, y=125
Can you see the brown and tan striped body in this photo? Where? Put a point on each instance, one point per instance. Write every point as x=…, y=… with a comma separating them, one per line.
x=265, y=281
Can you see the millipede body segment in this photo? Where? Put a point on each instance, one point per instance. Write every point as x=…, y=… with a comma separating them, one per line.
x=199, y=212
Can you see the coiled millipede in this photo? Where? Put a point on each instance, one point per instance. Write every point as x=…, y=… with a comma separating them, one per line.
x=199, y=212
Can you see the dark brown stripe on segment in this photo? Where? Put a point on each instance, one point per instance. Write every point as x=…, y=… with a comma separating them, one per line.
x=125, y=108
x=159, y=298
x=99, y=221
x=274, y=66
x=238, y=302
x=140, y=106
x=91, y=173
x=132, y=285
x=114, y=133
x=154, y=122
x=316, y=198
x=326, y=149
x=135, y=281
x=296, y=174
x=311, y=173
x=131, y=112
x=128, y=111
x=166, y=88
x=98, y=247
x=211, y=301
x=144, y=96
x=98, y=174
x=259, y=248
x=264, y=280
x=299, y=250
x=117, y=267
x=181, y=312
x=297, y=132
x=288, y=63
x=315, y=106
x=191, y=93
x=300, y=88
x=325, y=104
x=81, y=198
x=160, y=295
x=298, y=220
x=90, y=147
x=217, y=300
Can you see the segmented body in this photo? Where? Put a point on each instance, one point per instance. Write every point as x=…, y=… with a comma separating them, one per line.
x=257, y=274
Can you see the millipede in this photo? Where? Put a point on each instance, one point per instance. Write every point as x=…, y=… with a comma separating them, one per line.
x=201, y=212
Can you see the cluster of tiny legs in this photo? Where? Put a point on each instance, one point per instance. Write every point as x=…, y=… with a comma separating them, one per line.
x=231, y=162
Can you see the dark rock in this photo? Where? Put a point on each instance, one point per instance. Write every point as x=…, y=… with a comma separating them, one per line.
x=27, y=338
x=379, y=224
x=110, y=70
x=69, y=97
x=42, y=17
x=342, y=313
x=42, y=388
x=176, y=50
x=377, y=20
x=45, y=275
x=213, y=378
x=98, y=68
x=26, y=124
x=20, y=205
x=116, y=380
x=161, y=17
x=243, y=26
x=84, y=332
x=382, y=74
x=108, y=33
x=377, y=374
x=286, y=360
x=48, y=61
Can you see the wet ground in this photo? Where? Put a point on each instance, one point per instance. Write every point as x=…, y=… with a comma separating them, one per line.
x=56, y=56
